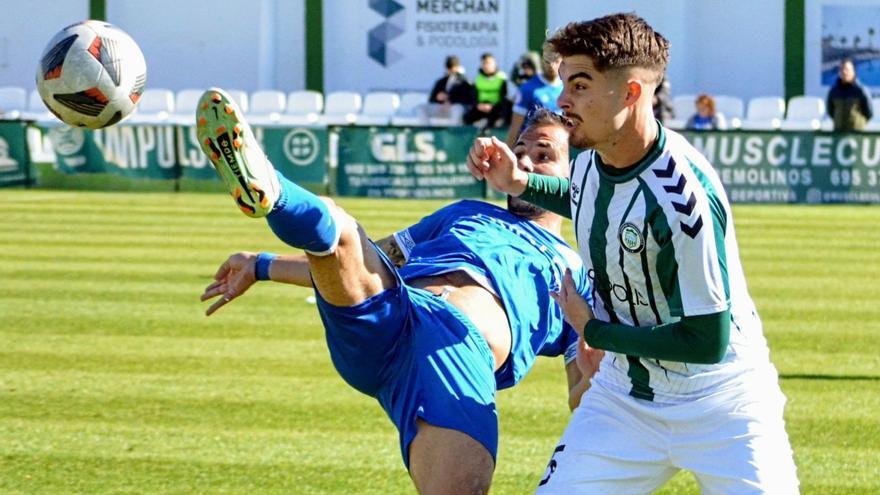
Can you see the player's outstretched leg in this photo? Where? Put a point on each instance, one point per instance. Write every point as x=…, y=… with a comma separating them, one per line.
x=255, y=186
x=344, y=265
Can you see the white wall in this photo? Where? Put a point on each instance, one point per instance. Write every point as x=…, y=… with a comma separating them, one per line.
x=25, y=28
x=202, y=43
x=718, y=46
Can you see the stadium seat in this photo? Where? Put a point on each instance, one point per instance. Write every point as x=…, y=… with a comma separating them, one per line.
x=341, y=108
x=303, y=108
x=683, y=106
x=412, y=110
x=445, y=115
x=154, y=107
x=185, y=103
x=804, y=113
x=764, y=113
x=37, y=111
x=266, y=106
x=13, y=101
x=379, y=106
x=732, y=108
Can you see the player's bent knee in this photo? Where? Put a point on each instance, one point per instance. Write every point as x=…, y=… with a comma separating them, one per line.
x=445, y=461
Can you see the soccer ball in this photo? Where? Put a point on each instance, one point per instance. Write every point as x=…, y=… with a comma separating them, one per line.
x=91, y=74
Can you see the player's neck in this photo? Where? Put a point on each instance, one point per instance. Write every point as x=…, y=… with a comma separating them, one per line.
x=632, y=142
x=550, y=221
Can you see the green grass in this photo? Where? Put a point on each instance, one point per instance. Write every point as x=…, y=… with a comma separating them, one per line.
x=113, y=381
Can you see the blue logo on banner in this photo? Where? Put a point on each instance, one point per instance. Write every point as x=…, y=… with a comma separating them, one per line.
x=379, y=37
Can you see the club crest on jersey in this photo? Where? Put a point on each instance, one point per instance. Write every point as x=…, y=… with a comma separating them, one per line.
x=631, y=238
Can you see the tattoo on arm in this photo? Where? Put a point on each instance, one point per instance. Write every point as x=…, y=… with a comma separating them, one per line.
x=392, y=250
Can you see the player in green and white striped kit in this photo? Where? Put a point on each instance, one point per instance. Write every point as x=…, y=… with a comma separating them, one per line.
x=686, y=382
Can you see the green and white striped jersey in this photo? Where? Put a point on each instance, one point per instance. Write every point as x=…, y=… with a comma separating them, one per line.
x=659, y=244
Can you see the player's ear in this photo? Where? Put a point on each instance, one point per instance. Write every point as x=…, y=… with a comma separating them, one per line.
x=633, y=91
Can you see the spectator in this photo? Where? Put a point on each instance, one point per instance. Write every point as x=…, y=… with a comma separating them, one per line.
x=526, y=68
x=453, y=87
x=542, y=90
x=706, y=118
x=849, y=104
x=491, y=87
x=663, y=110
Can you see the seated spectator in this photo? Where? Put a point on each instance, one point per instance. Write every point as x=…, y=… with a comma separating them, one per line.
x=848, y=103
x=706, y=119
x=526, y=68
x=453, y=88
x=491, y=86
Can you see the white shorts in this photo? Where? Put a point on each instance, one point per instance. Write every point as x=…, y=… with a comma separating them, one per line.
x=733, y=442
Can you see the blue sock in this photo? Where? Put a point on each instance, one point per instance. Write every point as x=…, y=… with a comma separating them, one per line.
x=302, y=220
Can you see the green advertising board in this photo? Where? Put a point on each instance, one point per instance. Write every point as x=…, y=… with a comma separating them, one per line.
x=404, y=162
x=170, y=152
x=14, y=155
x=143, y=151
x=794, y=167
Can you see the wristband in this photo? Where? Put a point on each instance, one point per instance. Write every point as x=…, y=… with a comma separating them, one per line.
x=261, y=269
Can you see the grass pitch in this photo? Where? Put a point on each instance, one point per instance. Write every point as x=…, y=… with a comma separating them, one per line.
x=113, y=381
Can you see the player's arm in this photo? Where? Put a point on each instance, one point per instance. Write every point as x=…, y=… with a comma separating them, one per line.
x=550, y=193
x=699, y=339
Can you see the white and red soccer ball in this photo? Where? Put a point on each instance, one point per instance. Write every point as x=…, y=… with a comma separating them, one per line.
x=91, y=74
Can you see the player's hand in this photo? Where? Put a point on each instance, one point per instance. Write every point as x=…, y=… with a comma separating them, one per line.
x=234, y=277
x=490, y=159
x=588, y=358
x=575, y=308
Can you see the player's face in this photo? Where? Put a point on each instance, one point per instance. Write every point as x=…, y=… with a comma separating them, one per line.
x=541, y=149
x=847, y=72
x=593, y=101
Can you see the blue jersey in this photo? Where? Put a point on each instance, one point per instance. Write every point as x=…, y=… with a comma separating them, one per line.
x=516, y=259
x=537, y=93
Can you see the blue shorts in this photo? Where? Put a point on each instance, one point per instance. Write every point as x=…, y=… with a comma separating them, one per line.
x=420, y=357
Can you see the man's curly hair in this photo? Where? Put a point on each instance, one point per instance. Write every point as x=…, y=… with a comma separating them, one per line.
x=615, y=41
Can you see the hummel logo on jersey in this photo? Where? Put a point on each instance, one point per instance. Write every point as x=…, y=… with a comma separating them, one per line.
x=685, y=207
x=631, y=238
x=575, y=193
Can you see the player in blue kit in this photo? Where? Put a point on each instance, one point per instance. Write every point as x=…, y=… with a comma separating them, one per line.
x=430, y=321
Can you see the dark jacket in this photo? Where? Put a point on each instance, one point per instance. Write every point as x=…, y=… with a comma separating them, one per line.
x=849, y=106
x=458, y=89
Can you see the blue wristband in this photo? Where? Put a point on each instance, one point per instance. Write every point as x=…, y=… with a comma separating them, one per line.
x=264, y=260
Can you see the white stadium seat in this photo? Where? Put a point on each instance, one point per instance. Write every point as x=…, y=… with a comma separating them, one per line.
x=764, y=113
x=683, y=106
x=412, y=110
x=804, y=113
x=341, y=108
x=185, y=103
x=13, y=101
x=154, y=107
x=266, y=106
x=732, y=108
x=303, y=108
x=445, y=115
x=379, y=106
